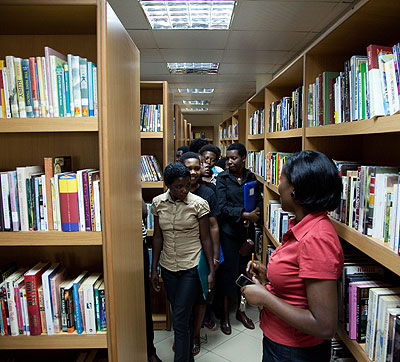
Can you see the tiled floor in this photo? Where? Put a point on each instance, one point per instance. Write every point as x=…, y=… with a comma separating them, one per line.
x=243, y=345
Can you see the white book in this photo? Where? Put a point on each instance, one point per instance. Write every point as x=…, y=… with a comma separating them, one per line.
x=12, y=87
x=25, y=301
x=54, y=88
x=24, y=173
x=393, y=96
x=21, y=295
x=375, y=93
x=5, y=195
x=47, y=90
x=20, y=87
x=97, y=213
x=6, y=92
x=89, y=302
x=44, y=221
x=387, y=334
x=48, y=305
x=393, y=209
x=385, y=302
x=397, y=226
x=71, y=93
x=75, y=87
x=95, y=98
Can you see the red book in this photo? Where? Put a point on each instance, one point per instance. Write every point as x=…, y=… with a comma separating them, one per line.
x=33, y=279
x=35, y=91
x=372, y=53
x=68, y=188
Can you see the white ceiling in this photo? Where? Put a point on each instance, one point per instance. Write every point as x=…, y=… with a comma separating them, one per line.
x=265, y=35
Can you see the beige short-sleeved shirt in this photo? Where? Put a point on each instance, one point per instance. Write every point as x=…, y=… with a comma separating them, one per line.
x=179, y=222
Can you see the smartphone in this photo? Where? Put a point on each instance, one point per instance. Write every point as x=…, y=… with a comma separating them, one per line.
x=243, y=281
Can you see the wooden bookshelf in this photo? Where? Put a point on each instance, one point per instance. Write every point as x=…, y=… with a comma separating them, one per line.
x=259, y=178
x=272, y=187
x=57, y=341
x=272, y=238
x=357, y=349
x=90, y=29
x=291, y=133
x=151, y=135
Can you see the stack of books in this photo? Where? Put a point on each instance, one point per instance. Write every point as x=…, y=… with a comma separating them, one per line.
x=274, y=165
x=151, y=117
x=53, y=85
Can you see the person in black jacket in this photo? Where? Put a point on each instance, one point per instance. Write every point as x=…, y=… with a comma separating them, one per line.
x=236, y=225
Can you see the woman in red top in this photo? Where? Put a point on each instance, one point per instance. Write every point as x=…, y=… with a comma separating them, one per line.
x=298, y=290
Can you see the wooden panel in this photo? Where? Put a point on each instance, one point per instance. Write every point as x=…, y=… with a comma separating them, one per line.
x=58, y=341
x=272, y=187
x=24, y=149
x=154, y=147
x=289, y=77
x=169, y=155
x=48, y=238
x=291, y=133
x=72, y=124
x=151, y=92
x=151, y=135
x=357, y=349
x=153, y=185
x=272, y=238
x=25, y=46
x=256, y=136
x=121, y=189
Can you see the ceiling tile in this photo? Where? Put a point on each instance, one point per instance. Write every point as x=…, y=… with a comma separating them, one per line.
x=253, y=56
x=143, y=38
x=188, y=39
x=159, y=69
x=130, y=13
x=150, y=56
x=192, y=55
x=247, y=68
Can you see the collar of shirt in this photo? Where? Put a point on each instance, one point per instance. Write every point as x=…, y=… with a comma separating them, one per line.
x=304, y=226
x=168, y=197
x=246, y=174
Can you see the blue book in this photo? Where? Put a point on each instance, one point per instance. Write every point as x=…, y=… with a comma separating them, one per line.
x=60, y=101
x=67, y=91
x=26, y=78
x=75, y=290
x=250, y=196
x=203, y=271
x=90, y=88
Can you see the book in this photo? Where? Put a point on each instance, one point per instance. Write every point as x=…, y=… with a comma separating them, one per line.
x=27, y=86
x=102, y=298
x=67, y=92
x=55, y=282
x=20, y=87
x=32, y=283
x=41, y=310
x=77, y=311
x=76, y=85
x=5, y=211
x=97, y=204
x=326, y=91
x=83, y=73
x=250, y=196
x=90, y=88
x=90, y=303
x=34, y=81
x=47, y=296
x=42, y=94
x=64, y=286
x=97, y=301
x=11, y=86
x=68, y=188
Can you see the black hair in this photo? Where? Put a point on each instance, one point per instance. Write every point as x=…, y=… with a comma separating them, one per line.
x=238, y=147
x=210, y=148
x=184, y=149
x=222, y=163
x=173, y=171
x=316, y=181
x=188, y=155
x=196, y=144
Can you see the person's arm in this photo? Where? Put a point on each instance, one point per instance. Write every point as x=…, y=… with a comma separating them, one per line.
x=214, y=234
x=225, y=207
x=157, y=247
x=207, y=247
x=252, y=216
x=144, y=210
x=319, y=320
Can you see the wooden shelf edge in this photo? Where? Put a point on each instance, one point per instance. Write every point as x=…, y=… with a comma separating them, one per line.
x=259, y=136
x=272, y=187
x=44, y=124
x=291, y=133
x=374, y=248
x=259, y=178
x=151, y=134
x=358, y=350
x=60, y=341
x=50, y=238
x=152, y=185
x=387, y=124
x=272, y=238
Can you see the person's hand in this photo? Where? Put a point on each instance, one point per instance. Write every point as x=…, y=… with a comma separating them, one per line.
x=155, y=283
x=253, y=216
x=255, y=293
x=216, y=264
x=259, y=271
x=211, y=280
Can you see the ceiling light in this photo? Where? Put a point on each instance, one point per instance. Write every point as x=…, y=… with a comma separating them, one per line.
x=195, y=90
x=199, y=103
x=196, y=109
x=193, y=14
x=190, y=68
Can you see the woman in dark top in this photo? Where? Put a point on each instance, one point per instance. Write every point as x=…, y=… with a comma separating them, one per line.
x=235, y=226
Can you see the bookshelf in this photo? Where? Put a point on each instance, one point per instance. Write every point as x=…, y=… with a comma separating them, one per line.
x=92, y=142
x=206, y=132
x=178, y=127
x=189, y=133
x=185, y=133
x=370, y=141
x=161, y=145
x=238, y=121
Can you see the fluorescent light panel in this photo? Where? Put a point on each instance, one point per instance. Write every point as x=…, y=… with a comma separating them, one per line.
x=193, y=14
x=190, y=68
x=195, y=90
x=198, y=103
x=196, y=109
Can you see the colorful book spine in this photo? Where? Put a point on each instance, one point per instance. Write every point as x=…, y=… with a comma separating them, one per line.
x=20, y=87
x=27, y=85
x=86, y=199
x=95, y=98
x=68, y=189
x=60, y=93
x=76, y=304
x=83, y=73
x=70, y=86
x=3, y=113
x=90, y=88
x=67, y=91
x=76, y=86
x=34, y=85
x=12, y=87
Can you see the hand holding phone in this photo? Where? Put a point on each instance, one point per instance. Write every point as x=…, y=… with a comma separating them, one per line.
x=242, y=281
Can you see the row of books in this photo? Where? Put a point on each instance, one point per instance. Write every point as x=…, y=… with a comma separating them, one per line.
x=368, y=87
x=151, y=117
x=230, y=131
x=274, y=165
x=51, y=86
x=256, y=162
x=45, y=300
x=287, y=113
x=277, y=219
x=370, y=201
x=149, y=222
x=223, y=148
x=369, y=309
x=56, y=199
x=257, y=121
x=150, y=169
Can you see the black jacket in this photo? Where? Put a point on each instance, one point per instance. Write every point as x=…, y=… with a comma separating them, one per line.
x=230, y=196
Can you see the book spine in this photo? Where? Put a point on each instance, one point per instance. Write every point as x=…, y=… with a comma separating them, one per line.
x=36, y=181
x=23, y=313
x=7, y=103
x=12, y=310
x=67, y=91
x=77, y=309
x=54, y=87
x=95, y=97
x=96, y=192
x=35, y=90
x=20, y=87
x=63, y=307
x=2, y=99
x=29, y=203
x=90, y=88
x=68, y=190
x=47, y=304
x=27, y=83
x=12, y=87
x=5, y=195
x=90, y=318
x=41, y=94
x=86, y=199
x=42, y=311
x=60, y=93
x=25, y=304
x=49, y=83
x=48, y=171
x=69, y=309
x=76, y=86
x=103, y=323
x=32, y=297
x=97, y=303
x=18, y=306
x=81, y=202
x=4, y=310
x=70, y=86
x=83, y=73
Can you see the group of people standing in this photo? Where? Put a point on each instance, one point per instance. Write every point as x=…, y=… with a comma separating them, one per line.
x=202, y=211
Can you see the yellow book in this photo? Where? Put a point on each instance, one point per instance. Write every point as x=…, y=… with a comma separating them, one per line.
x=20, y=87
x=3, y=99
